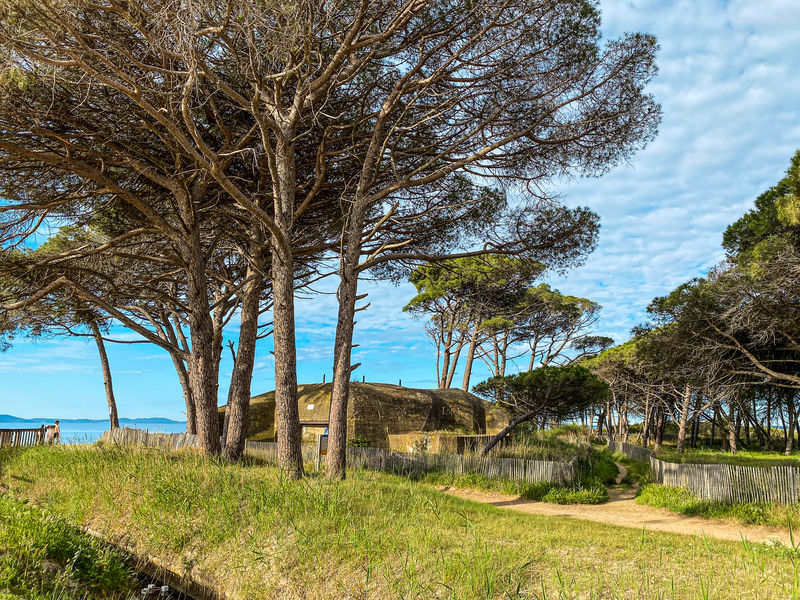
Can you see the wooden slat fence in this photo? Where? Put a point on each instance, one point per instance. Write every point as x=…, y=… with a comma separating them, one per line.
x=376, y=459
x=735, y=484
x=142, y=437
x=21, y=437
x=630, y=450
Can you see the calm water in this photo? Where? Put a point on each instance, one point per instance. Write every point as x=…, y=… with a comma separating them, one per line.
x=86, y=433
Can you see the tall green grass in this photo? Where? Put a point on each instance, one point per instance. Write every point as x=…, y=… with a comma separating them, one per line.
x=594, y=468
x=45, y=557
x=682, y=501
x=257, y=534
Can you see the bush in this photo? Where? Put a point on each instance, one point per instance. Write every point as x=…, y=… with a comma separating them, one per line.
x=359, y=442
x=592, y=495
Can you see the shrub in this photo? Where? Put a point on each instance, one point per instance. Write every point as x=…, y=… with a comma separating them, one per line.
x=592, y=495
x=359, y=442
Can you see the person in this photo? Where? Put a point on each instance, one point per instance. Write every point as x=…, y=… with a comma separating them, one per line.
x=52, y=434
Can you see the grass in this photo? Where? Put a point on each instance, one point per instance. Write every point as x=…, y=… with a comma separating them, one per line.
x=539, y=445
x=748, y=458
x=45, y=557
x=682, y=501
x=594, y=469
x=639, y=472
x=539, y=492
x=257, y=534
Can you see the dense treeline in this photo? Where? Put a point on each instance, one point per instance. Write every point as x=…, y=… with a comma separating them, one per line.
x=723, y=349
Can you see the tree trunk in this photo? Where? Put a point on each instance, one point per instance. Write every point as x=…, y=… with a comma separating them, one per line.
x=725, y=438
x=287, y=419
x=343, y=343
x=747, y=429
x=687, y=396
x=453, y=365
x=696, y=422
x=203, y=364
x=713, y=426
x=660, y=424
x=769, y=422
x=646, y=422
x=183, y=377
x=624, y=421
x=508, y=429
x=790, y=428
x=113, y=417
x=732, y=446
x=473, y=345
x=442, y=383
x=796, y=420
x=783, y=422
x=237, y=412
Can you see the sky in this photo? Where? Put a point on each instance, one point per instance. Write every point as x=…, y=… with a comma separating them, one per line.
x=730, y=94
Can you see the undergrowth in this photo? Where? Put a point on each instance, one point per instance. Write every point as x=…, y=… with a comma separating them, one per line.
x=45, y=557
x=593, y=468
x=682, y=501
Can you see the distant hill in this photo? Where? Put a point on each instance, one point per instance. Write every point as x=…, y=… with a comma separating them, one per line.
x=143, y=420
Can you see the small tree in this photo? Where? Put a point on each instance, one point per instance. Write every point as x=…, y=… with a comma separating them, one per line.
x=546, y=393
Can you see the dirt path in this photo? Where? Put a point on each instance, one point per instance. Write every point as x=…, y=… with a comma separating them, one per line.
x=622, y=510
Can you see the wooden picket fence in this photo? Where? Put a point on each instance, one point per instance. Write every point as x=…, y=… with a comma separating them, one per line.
x=142, y=437
x=515, y=469
x=735, y=484
x=632, y=451
x=21, y=437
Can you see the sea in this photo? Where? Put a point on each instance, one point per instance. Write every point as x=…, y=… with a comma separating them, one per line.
x=88, y=432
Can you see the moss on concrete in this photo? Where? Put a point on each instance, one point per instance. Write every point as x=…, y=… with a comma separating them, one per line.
x=378, y=409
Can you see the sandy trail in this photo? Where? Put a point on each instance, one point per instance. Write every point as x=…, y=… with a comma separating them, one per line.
x=622, y=510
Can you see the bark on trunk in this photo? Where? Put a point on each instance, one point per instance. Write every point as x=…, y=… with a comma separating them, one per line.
x=790, y=429
x=747, y=430
x=183, y=377
x=287, y=420
x=238, y=409
x=101, y=350
x=340, y=392
x=473, y=344
x=662, y=425
x=203, y=362
x=687, y=396
x=713, y=426
x=646, y=422
x=725, y=435
x=201, y=380
x=453, y=365
x=732, y=429
x=343, y=344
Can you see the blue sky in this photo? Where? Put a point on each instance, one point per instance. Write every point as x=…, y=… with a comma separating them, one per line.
x=730, y=93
